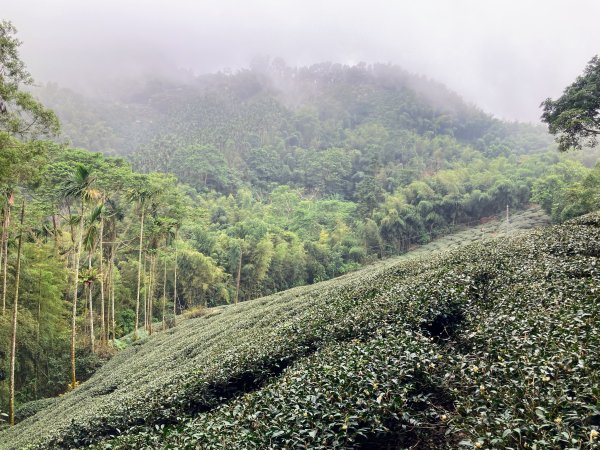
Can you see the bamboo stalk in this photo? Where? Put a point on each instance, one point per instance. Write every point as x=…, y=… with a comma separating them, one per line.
x=5, y=245
x=11, y=399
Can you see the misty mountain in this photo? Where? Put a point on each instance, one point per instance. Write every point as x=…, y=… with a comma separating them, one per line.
x=258, y=125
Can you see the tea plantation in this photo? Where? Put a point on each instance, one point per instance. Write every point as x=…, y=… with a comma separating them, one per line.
x=493, y=344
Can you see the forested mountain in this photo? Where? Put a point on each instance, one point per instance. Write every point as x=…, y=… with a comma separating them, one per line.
x=329, y=166
x=323, y=128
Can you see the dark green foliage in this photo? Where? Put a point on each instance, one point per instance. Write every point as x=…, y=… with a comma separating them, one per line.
x=491, y=345
x=202, y=167
x=88, y=362
x=574, y=116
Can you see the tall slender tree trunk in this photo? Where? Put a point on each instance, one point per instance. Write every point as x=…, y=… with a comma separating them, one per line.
x=5, y=227
x=164, y=296
x=4, y=211
x=145, y=272
x=71, y=226
x=112, y=283
x=112, y=303
x=75, y=289
x=239, y=277
x=101, y=267
x=175, y=283
x=139, y=279
x=109, y=288
x=152, y=293
x=152, y=290
x=55, y=232
x=13, y=352
x=108, y=280
x=37, y=336
x=91, y=306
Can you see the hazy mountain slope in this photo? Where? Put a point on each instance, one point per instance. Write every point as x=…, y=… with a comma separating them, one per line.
x=263, y=104
x=309, y=107
x=494, y=341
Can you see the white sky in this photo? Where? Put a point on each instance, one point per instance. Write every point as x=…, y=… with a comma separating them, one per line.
x=505, y=56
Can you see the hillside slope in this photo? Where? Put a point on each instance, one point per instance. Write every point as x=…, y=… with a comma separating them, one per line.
x=490, y=345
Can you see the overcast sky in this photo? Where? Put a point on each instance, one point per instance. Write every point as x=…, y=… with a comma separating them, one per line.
x=505, y=56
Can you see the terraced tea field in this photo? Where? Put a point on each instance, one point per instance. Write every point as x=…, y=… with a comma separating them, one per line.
x=487, y=345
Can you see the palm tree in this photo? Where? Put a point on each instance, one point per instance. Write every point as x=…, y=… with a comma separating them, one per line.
x=78, y=187
x=114, y=213
x=103, y=332
x=101, y=268
x=158, y=234
x=142, y=195
x=90, y=241
x=165, y=231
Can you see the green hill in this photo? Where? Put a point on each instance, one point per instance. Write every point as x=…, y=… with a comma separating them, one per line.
x=489, y=345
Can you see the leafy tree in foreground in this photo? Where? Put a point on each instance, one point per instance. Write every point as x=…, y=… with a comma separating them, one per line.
x=20, y=114
x=575, y=116
x=23, y=120
x=23, y=117
x=568, y=190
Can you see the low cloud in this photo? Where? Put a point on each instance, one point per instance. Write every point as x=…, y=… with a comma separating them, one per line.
x=505, y=56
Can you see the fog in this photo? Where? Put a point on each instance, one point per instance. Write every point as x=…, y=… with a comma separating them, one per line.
x=504, y=56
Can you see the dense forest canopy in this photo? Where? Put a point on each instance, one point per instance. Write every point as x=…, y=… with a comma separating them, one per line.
x=174, y=195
